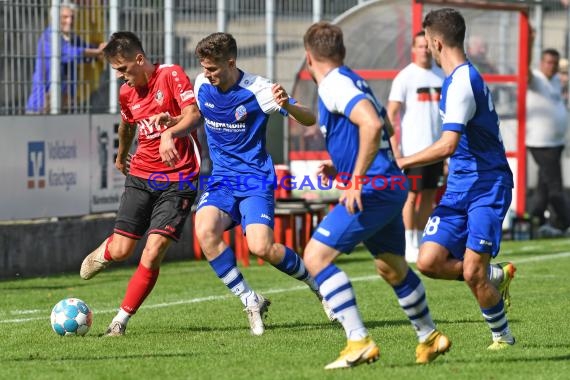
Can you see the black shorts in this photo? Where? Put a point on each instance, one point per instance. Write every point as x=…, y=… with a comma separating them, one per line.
x=425, y=177
x=160, y=211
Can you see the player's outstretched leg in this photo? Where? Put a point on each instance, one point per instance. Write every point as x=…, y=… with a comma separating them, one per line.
x=413, y=301
x=140, y=286
x=336, y=288
x=96, y=261
x=293, y=265
x=256, y=306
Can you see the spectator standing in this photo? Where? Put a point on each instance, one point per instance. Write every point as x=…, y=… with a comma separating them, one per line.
x=477, y=53
x=563, y=74
x=73, y=51
x=415, y=93
x=546, y=124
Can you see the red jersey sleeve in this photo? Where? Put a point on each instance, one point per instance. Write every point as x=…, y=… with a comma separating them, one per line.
x=183, y=91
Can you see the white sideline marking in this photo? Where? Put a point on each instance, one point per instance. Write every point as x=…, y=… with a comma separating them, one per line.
x=269, y=291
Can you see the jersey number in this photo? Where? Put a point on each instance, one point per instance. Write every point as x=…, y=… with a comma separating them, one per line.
x=432, y=225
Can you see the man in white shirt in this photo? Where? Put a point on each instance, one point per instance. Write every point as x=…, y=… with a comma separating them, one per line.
x=546, y=124
x=414, y=100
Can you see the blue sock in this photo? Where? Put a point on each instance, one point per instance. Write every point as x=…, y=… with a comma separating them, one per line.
x=336, y=288
x=293, y=266
x=225, y=266
x=497, y=320
x=412, y=299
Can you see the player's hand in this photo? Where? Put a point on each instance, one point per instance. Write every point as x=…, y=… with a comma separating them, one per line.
x=123, y=164
x=162, y=118
x=280, y=95
x=352, y=199
x=401, y=161
x=168, y=153
x=326, y=171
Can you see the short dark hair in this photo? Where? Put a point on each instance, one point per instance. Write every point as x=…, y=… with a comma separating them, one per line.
x=550, y=51
x=325, y=40
x=124, y=44
x=421, y=33
x=217, y=47
x=448, y=24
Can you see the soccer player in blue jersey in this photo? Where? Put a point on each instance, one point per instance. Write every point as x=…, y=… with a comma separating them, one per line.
x=236, y=107
x=357, y=134
x=464, y=231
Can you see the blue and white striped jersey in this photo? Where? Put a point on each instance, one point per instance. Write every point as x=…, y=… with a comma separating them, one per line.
x=339, y=92
x=235, y=123
x=467, y=107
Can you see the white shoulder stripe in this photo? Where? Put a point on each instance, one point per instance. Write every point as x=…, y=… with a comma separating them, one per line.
x=200, y=80
x=336, y=91
x=261, y=88
x=460, y=99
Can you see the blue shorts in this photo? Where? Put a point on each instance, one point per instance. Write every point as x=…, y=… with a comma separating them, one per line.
x=472, y=219
x=253, y=209
x=379, y=226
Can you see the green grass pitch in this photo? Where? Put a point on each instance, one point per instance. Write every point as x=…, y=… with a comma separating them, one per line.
x=190, y=327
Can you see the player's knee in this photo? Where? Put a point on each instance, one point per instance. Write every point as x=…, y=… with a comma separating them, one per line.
x=119, y=252
x=154, y=250
x=313, y=262
x=394, y=270
x=206, y=234
x=389, y=275
x=262, y=248
x=426, y=266
x=474, y=277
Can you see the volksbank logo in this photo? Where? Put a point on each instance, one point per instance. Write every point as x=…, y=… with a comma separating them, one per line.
x=56, y=176
x=36, y=164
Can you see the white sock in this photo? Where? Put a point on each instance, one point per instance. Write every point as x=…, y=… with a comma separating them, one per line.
x=337, y=290
x=418, y=238
x=122, y=316
x=412, y=299
x=496, y=274
x=409, y=239
x=248, y=298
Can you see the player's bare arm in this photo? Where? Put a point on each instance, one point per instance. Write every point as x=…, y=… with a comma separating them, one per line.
x=326, y=171
x=178, y=126
x=297, y=111
x=438, y=151
x=126, y=136
x=364, y=116
x=393, y=110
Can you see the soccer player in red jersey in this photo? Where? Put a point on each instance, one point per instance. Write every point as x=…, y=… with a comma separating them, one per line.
x=158, y=193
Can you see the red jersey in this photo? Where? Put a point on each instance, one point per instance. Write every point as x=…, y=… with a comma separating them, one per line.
x=168, y=90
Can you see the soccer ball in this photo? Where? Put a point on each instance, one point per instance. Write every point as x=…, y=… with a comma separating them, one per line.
x=71, y=316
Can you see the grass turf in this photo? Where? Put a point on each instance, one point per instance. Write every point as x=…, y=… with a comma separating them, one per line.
x=191, y=327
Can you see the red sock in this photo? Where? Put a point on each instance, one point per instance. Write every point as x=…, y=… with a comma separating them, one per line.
x=141, y=284
x=107, y=255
